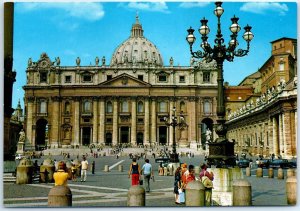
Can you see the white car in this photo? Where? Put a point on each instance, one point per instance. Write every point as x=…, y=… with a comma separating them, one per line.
x=19, y=157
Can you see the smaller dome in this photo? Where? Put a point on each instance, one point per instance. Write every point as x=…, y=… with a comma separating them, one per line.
x=136, y=51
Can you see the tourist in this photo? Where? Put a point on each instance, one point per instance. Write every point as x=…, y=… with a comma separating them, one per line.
x=148, y=174
x=206, y=178
x=177, y=184
x=84, y=168
x=61, y=177
x=134, y=171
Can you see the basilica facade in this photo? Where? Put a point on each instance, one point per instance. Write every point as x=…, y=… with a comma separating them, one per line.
x=123, y=102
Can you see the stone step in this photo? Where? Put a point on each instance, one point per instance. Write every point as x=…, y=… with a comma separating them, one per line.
x=9, y=178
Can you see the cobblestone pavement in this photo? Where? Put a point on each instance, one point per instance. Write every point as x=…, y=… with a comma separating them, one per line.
x=109, y=189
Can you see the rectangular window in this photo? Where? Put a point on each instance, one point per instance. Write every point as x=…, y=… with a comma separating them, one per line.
x=67, y=79
x=43, y=107
x=109, y=77
x=43, y=77
x=109, y=120
x=207, y=108
x=87, y=78
x=86, y=120
x=140, y=120
x=141, y=77
x=281, y=66
x=206, y=77
x=162, y=78
x=181, y=79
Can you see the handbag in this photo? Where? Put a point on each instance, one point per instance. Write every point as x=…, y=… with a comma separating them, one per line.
x=181, y=197
x=207, y=182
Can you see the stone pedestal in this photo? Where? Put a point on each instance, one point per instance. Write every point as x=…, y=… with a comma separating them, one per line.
x=60, y=196
x=195, y=194
x=136, y=196
x=24, y=172
x=223, y=180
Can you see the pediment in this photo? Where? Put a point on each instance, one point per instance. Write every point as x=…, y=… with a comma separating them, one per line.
x=125, y=80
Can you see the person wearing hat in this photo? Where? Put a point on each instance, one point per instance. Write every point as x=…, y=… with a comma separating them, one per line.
x=61, y=177
x=206, y=178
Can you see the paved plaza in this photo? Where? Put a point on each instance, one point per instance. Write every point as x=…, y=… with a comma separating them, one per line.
x=109, y=189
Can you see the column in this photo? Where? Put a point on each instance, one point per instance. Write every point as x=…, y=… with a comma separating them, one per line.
x=95, y=121
x=295, y=135
x=55, y=122
x=133, y=122
x=115, y=122
x=286, y=119
x=281, y=138
x=102, y=122
x=153, y=121
x=275, y=138
x=146, y=122
x=76, y=121
x=170, y=127
x=29, y=120
x=192, y=120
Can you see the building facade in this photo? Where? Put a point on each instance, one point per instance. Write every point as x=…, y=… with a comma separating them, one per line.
x=266, y=122
x=123, y=102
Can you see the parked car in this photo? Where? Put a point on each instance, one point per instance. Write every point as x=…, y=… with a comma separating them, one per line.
x=243, y=163
x=263, y=163
x=280, y=163
x=19, y=157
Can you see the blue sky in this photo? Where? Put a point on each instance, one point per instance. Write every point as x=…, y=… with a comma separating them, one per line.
x=95, y=29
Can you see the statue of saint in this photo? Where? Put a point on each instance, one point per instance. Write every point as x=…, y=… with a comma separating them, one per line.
x=57, y=59
x=97, y=61
x=103, y=61
x=208, y=135
x=29, y=62
x=22, y=136
x=78, y=61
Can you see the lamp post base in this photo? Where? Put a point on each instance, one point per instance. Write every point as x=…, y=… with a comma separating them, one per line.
x=221, y=154
x=174, y=158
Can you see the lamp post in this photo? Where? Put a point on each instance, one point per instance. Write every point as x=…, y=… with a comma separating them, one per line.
x=222, y=153
x=173, y=122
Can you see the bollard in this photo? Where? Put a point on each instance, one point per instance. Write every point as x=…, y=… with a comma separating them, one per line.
x=24, y=172
x=106, y=168
x=271, y=173
x=120, y=168
x=248, y=172
x=60, y=196
x=259, y=172
x=291, y=190
x=290, y=173
x=195, y=194
x=171, y=170
x=136, y=196
x=165, y=171
x=197, y=170
x=280, y=173
x=47, y=170
x=241, y=193
x=160, y=171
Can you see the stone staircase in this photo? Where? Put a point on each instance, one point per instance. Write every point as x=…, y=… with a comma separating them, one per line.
x=11, y=178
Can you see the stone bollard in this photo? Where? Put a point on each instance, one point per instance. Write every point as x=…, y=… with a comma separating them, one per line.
x=271, y=173
x=171, y=170
x=24, y=172
x=120, y=168
x=195, y=194
x=248, y=172
x=136, y=196
x=106, y=168
x=290, y=173
x=60, y=196
x=241, y=193
x=291, y=190
x=197, y=170
x=280, y=173
x=165, y=171
x=259, y=172
x=47, y=170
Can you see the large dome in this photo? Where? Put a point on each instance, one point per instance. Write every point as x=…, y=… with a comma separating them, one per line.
x=136, y=51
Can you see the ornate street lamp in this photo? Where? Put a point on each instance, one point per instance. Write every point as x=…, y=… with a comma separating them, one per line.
x=221, y=151
x=173, y=122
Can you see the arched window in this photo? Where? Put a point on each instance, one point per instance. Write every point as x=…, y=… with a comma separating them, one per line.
x=140, y=107
x=67, y=108
x=109, y=107
x=125, y=106
x=163, y=107
x=43, y=107
x=87, y=106
x=207, y=107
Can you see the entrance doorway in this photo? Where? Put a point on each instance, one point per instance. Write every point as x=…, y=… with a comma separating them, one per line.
x=108, y=139
x=124, y=135
x=86, y=136
x=162, y=131
x=41, y=134
x=139, y=138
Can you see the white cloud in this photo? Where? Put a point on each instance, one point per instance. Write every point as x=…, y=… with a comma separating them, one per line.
x=85, y=11
x=193, y=4
x=264, y=7
x=147, y=6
